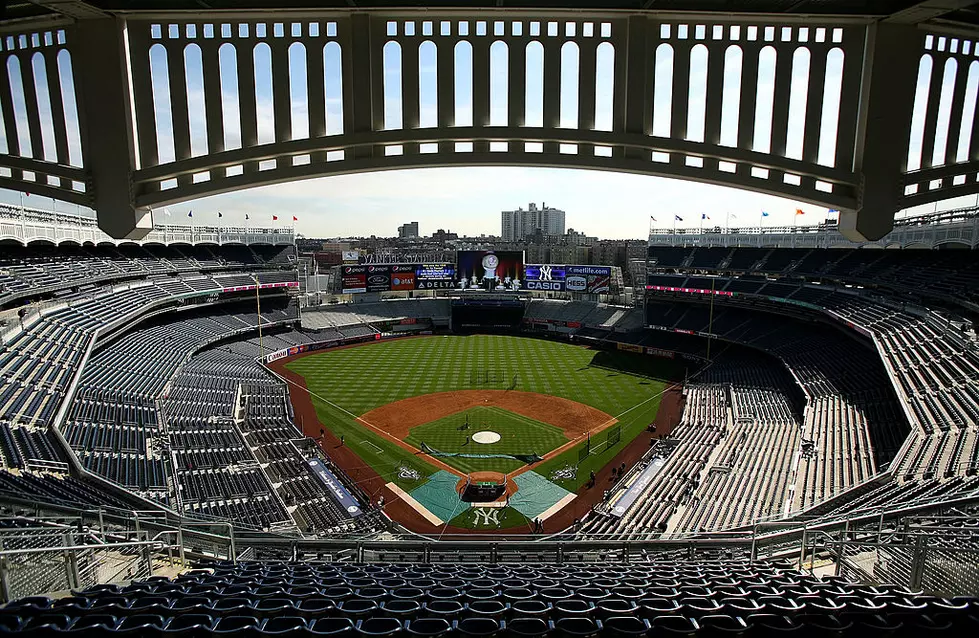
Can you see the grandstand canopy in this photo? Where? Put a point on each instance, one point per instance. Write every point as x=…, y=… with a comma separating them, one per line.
x=963, y=12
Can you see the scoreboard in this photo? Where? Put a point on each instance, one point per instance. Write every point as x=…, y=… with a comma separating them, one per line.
x=388, y=277
x=586, y=279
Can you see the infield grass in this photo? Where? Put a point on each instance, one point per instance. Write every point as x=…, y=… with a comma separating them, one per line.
x=348, y=382
x=518, y=435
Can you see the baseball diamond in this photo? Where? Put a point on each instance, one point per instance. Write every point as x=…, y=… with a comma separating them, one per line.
x=405, y=409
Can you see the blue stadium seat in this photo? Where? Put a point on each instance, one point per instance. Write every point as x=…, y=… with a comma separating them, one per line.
x=149, y=625
x=480, y=627
x=428, y=627
x=190, y=626
x=448, y=609
x=286, y=627
x=237, y=626
x=332, y=626
x=379, y=627
x=625, y=626
x=578, y=627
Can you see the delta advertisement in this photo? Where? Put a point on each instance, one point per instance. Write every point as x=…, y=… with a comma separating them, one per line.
x=399, y=277
x=434, y=276
x=554, y=278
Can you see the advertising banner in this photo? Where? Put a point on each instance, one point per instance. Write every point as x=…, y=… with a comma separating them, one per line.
x=339, y=493
x=403, y=277
x=638, y=486
x=350, y=256
x=588, y=279
x=490, y=268
x=656, y=352
x=584, y=279
x=693, y=291
x=544, y=277
x=434, y=276
x=278, y=284
x=353, y=279
x=378, y=278
x=629, y=347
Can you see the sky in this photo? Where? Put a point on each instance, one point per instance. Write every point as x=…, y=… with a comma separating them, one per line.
x=468, y=200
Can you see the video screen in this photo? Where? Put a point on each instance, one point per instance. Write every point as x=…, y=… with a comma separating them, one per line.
x=492, y=270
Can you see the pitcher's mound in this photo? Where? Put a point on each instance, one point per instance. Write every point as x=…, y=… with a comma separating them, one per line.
x=486, y=437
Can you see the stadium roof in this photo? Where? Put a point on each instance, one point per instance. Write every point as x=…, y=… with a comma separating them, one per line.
x=956, y=12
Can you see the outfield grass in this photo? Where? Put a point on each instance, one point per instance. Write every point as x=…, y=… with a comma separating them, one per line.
x=348, y=382
x=518, y=435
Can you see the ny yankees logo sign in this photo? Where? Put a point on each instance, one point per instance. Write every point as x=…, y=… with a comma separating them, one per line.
x=489, y=516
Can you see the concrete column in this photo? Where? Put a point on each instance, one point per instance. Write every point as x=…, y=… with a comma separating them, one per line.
x=102, y=87
x=889, y=76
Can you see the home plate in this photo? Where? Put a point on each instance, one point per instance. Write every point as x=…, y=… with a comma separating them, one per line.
x=486, y=436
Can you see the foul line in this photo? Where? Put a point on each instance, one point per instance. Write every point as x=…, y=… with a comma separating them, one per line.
x=385, y=435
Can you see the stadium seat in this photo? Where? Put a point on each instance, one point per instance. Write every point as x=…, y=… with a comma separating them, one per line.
x=530, y=627
x=285, y=627
x=331, y=626
x=190, y=626
x=625, y=626
x=448, y=609
x=379, y=627
x=578, y=627
x=429, y=627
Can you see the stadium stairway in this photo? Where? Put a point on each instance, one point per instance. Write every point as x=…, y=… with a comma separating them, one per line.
x=655, y=598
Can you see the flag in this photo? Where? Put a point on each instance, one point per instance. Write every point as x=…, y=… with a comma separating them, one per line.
x=704, y=216
x=799, y=211
x=190, y=214
x=764, y=214
x=246, y=217
x=295, y=219
x=219, y=214
x=275, y=218
x=734, y=216
x=678, y=218
x=652, y=218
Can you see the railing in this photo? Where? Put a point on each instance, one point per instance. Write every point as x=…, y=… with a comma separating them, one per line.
x=919, y=560
x=956, y=226
x=28, y=225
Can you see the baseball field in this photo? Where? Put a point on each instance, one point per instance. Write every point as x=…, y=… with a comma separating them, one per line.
x=411, y=408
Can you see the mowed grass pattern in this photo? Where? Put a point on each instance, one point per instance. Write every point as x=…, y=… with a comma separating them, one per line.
x=357, y=380
x=518, y=435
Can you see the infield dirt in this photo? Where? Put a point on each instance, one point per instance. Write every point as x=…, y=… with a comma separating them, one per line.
x=574, y=418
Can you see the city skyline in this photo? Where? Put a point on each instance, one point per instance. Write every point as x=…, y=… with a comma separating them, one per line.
x=599, y=204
